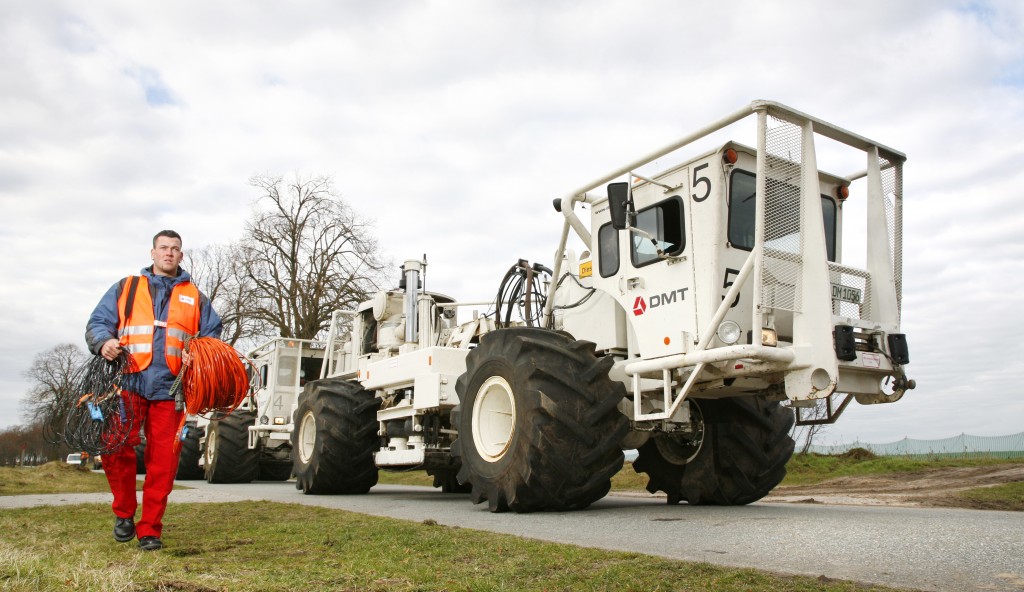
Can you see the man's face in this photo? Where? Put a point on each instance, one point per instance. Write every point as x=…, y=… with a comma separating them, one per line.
x=166, y=256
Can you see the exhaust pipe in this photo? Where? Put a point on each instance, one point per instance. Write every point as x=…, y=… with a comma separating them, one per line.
x=412, y=285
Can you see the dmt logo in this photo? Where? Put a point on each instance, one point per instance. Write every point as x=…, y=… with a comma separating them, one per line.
x=640, y=305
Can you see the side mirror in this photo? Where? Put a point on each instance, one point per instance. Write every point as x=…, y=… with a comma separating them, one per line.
x=619, y=204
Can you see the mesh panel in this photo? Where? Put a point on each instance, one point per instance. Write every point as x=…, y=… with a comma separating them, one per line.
x=892, y=196
x=337, y=359
x=783, y=239
x=962, y=446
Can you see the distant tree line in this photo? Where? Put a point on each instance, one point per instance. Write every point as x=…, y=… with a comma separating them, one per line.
x=26, y=445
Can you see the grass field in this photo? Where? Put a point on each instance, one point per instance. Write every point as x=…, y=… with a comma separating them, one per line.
x=53, y=477
x=806, y=469
x=1009, y=496
x=270, y=546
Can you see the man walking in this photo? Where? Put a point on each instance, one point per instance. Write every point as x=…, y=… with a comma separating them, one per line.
x=149, y=317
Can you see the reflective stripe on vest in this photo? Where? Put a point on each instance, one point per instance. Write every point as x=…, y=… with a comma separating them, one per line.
x=138, y=348
x=136, y=332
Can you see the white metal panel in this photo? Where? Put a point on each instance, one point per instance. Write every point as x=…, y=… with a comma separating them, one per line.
x=403, y=371
x=818, y=371
x=399, y=458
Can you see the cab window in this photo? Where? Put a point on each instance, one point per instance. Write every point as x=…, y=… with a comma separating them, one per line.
x=828, y=212
x=310, y=369
x=608, y=250
x=664, y=222
x=742, y=213
x=286, y=368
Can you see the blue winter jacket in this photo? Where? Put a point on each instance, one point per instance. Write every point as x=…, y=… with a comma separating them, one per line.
x=103, y=323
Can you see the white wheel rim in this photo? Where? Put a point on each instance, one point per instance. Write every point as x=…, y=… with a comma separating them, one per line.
x=307, y=437
x=211, y=446
x=494, y=418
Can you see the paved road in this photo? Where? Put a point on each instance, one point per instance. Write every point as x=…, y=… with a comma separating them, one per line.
x=928, y=549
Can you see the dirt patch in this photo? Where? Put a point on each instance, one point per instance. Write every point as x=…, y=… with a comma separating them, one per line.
x=931, y=488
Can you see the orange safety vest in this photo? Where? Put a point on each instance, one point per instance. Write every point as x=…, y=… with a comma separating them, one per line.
x=135, y=327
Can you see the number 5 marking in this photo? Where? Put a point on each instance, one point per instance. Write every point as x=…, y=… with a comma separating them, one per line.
x=698, y=180
x=727, y=283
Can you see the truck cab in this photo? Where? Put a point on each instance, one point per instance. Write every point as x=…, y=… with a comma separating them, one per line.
x=733, y=260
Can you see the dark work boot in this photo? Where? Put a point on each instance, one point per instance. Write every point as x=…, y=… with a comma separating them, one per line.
x=150, y=543
x=124, y=529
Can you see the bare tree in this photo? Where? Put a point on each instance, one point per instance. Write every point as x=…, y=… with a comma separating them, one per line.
x=306, y=253
x=804, y=435
x=52, y=375
x=219, y=271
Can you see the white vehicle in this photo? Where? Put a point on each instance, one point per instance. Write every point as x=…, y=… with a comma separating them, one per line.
x=74, y=459
x=254, y=441
x=706, y=295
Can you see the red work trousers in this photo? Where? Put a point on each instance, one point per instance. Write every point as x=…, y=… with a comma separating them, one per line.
x=160, y=422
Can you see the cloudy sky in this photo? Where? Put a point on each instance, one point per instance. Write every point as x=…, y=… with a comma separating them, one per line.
x=454, y=124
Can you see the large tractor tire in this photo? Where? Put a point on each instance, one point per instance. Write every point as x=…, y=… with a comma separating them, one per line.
x=742, y=457
x=188, y=459
x=539, y=427
x=228, y=457
x=335, y=437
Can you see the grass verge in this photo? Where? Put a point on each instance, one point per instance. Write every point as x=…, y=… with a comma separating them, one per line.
x=807, y=469
x=405, y=478
x=272, y=546
x=1008, y=496
x=53, y=477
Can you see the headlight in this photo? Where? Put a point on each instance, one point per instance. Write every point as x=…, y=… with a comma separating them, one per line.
x=729, y=332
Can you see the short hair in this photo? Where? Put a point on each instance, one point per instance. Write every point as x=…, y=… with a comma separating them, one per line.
x=168, y=234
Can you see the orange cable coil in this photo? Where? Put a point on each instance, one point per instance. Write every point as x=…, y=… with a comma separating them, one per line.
x=213, y=380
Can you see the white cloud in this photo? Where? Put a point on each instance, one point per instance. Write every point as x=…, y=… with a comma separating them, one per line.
x=454, y=125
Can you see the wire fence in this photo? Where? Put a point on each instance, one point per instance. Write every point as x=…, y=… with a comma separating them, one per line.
x=962, y=446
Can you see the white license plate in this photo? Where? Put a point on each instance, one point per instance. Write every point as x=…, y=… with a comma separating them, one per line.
x=846, y=294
